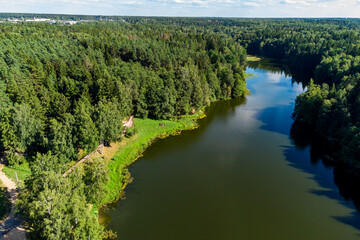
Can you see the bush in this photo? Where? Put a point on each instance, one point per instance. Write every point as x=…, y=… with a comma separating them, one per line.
x=5, y=204
x=130, y=132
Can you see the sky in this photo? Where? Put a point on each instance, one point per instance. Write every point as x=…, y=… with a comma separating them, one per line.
x=198, y=8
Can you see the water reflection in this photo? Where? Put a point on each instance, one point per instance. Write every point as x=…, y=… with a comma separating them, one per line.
x=239, y=176
x=315, y=151
x=314, y=158
x=273, y=118
x=348, y=184
x=219, y=109
x=278, y=67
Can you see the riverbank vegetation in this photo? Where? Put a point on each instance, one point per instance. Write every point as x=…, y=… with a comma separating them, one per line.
x=21, y=170
x=65, y=88
x=329, y=50
x=147, y=131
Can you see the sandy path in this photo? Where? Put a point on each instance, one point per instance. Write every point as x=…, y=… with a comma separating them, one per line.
x=100, y=148
x=128, y=124
x=11, y=227
x=86, y=158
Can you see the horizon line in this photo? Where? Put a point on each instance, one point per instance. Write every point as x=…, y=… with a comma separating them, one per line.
x=168, y=16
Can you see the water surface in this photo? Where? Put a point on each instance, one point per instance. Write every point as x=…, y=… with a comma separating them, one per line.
x=238, y=176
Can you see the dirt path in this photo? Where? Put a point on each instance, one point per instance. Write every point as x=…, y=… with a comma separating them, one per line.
x=127, y=124
x=86, y=158
x=130, y=122
x=11, y=227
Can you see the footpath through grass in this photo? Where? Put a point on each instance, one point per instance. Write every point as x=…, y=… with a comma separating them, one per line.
x=22, y=171
x=148, y=131
x=121, y=154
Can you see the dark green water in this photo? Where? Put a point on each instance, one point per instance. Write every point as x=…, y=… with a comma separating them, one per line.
x=238, y=176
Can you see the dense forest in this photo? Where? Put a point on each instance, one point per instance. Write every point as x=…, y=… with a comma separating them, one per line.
x=327, y=50
x=65, y=88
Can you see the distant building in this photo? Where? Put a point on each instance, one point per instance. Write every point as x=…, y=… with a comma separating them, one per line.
x=38, y=20
x=70, y=22
x=15, y=20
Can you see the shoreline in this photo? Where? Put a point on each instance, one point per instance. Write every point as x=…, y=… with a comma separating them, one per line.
x=133, y=149
x=120, y=155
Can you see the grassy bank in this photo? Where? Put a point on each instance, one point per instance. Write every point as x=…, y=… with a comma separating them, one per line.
x=22, y=171
x=130, y=149
x=123, y=153
x=250, y=58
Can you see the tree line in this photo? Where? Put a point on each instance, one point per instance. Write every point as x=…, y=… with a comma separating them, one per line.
x=328, y=50
x=65, y=88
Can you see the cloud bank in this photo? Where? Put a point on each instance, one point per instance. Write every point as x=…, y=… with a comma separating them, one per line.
x=216, y=8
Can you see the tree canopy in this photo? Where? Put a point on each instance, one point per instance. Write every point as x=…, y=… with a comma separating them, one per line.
x=64, y=88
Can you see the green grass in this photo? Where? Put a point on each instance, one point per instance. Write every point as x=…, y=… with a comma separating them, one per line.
x=5, y=205
x=250, y=58
x=148, y=131
x=23, y=171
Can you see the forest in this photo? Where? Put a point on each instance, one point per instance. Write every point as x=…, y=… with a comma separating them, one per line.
x=65, y=88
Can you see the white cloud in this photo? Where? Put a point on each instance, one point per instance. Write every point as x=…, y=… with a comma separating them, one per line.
x=251, y=4
x=217, y=8
x=205, y=2
x=274, y=77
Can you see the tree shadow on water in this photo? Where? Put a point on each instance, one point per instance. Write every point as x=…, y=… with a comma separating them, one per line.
x=276, y=119
x=221, y=109
x=310, y=154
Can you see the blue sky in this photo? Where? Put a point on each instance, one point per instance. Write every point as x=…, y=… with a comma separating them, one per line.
x=216, y=8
